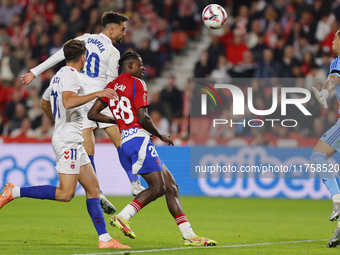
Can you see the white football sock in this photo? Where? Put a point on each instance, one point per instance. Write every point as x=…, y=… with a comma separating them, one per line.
x=130, y=210
x=16, y=192
x=105, y=237
x=186, y=230
x=127, y=213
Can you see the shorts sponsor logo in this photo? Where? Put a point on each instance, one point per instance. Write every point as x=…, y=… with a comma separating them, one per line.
x=126, y=133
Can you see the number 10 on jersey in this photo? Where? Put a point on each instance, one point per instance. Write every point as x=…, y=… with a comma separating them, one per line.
x=122, y=109
x=92, y=66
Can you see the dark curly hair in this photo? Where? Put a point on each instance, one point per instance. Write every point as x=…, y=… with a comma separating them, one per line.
x=128, y=55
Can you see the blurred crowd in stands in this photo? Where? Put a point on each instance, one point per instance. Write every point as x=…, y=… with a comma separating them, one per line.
x=33, y=30
x=288, y=43
x=262, y=39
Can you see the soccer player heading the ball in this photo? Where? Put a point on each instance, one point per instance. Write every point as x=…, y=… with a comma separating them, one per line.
x=63, y=103
x=101, y=67
x=130, y=111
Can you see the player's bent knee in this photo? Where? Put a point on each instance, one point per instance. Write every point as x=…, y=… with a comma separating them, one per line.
x=159, y=190
x=66, y=197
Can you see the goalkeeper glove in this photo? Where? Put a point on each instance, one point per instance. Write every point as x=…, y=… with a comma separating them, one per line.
x=321, y=96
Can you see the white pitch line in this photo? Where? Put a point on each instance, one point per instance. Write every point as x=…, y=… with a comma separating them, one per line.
x=203, y=247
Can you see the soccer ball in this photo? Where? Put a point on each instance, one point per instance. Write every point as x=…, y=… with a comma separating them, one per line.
x=214, y=16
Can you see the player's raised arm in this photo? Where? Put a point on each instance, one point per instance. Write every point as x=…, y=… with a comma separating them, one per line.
x=146, y=122
x=328, y=87
x=48, y=63
x=95, y=115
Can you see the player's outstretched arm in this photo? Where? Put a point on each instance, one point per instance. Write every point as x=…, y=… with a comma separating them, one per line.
x=330, y=84
x=146, y=122
x=46, y=106
x=71, y=99
x=95, y=115
x=48, y=63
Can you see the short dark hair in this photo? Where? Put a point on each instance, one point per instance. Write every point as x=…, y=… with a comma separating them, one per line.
x=73, y=50
x=113, y=17
x=128, y=55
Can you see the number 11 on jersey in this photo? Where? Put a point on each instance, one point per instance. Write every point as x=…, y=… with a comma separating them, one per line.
x=55, y=107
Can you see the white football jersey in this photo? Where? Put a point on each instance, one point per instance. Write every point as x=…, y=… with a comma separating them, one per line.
x=101, y=65
x=68, y=123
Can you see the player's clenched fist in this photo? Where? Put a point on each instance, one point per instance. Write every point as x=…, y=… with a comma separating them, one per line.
x=109, y=93
x=321, y=96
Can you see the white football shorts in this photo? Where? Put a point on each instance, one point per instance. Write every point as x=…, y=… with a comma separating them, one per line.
x=70, y=157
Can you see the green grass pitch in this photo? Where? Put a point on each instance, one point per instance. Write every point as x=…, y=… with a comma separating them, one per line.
x=241, y=226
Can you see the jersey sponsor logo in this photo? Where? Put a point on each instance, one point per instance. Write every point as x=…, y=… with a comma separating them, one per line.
x=121, y=87
x=126, y=133
x=98, y=43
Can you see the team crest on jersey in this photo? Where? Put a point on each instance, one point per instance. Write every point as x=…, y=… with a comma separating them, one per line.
x=121, y=87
